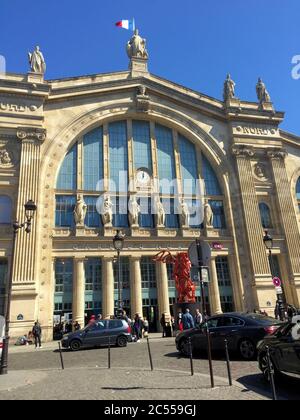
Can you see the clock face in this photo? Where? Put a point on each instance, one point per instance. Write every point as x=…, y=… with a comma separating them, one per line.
x=143, y=177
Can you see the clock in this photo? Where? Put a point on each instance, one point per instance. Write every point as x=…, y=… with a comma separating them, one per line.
x=143, y=178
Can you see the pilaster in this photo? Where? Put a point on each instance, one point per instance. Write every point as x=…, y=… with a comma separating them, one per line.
x=108, y=287
x=79, y=291
x=136, y=286
x=214, y=291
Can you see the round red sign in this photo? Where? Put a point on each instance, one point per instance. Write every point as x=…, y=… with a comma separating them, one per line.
x=276, y=281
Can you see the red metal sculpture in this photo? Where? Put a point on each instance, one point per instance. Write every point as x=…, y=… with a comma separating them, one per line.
x=181, y=274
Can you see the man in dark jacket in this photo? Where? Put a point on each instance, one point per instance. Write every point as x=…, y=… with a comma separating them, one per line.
x=37, y=333
x=188, y=320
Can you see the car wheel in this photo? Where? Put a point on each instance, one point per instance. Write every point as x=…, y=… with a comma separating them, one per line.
x=121, y=341
x=247, y=349
x=184, y=347
x=75, y=345
x=263, y=365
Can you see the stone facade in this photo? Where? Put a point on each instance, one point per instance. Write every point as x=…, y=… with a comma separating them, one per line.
x=254, y=160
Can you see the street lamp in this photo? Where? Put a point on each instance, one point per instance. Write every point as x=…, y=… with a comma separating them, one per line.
x=118, y=242
x=30, y=209
x=268, y=241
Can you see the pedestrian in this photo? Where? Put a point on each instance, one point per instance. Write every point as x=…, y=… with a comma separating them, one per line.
x=163, y=325
x=146, y=327
x=77, y=326
x=277, y=309
x=99, y=317
x=188, y=320
x=92, y=320
x=37, y=334
x=198, y=318
x=173, y=326
x=179, y=321
x=137, y=327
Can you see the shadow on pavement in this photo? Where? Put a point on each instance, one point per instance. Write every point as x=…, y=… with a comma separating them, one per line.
x=203, y=356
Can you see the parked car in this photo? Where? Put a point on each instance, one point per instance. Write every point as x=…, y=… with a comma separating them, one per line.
x=114, y=332
x=2, y=333
x=242, y=330
x=284, y=347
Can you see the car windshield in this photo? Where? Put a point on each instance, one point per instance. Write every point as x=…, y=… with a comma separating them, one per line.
x=262, y=319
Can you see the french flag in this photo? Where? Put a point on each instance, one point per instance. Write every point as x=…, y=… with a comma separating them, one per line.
x=126, y=24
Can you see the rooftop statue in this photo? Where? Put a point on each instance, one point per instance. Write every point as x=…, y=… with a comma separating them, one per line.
x=37, y=61
x=136, y=47
x=262, y=93
x=229, y=87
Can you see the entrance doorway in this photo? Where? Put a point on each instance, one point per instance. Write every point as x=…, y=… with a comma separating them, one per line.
x=150, y=312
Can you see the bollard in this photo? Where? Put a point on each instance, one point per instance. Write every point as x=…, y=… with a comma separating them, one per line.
x=228, y=362
x=149, y=352
x=271, y=374
x=211, y=372
x=109, y=361
x=61, y=356
x=191, y=356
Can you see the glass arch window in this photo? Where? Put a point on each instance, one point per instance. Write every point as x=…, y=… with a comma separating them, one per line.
x=118, y=156
x=93, y=159
x=142, y=145
x=265, y=216
x=212, y=186
x=5, y=210
x=67, y=177
x=189, y=172
x=165, y=156
x=298, y=189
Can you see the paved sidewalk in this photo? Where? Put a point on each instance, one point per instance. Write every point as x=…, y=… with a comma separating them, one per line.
x=118, y=384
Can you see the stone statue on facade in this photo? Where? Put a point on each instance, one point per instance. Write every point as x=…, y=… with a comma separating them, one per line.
x=37, y=61
x=229, y=89
x=208, y=215
x=136, y=47
x=107, y=211
x=160, y=213
x=259, y=170
x=184, y=214
x=134, y=211
x=80, y=211
x=5, y=159
x=262, y=93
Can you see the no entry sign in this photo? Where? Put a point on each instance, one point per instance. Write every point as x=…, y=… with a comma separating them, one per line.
x=276, y=281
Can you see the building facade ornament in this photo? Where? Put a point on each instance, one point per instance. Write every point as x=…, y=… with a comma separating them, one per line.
x=136, y=47
x=262, y=93
x=37, y=61
x=142, y=99
x=31, y=134
x=6, y=160
x=260, y=171
x=242, y=151
x=277, y=154
x=107, y=211
x=80, y=211
x=160, y=213
x=134, y=211
x=184, y=214
x=229, y=89
x=208, y=215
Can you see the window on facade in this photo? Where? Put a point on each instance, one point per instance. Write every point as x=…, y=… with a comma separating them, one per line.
x=212, y=186
x=118, y=156
x=189, y=170
x=172, y=219
x=67, y=178
x=298, y=189
x=219, y=216
x=142, y=145
x=146, y=218
x=64, y=214
x=3, y=283
x=93, y=159
x=120, y=211
x=93, y=218
x=63, y=296
x=148, y=273
x=165, y=158
x=171, y=281
x=125, y=273
x=265, y=216
x=225, y=285
x=93, y=274
x=5, y=210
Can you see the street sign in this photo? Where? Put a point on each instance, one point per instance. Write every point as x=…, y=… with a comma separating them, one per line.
x=205, y=274
x=217, y=246
x=276, y=281
x=193, y=253
x=278, y=290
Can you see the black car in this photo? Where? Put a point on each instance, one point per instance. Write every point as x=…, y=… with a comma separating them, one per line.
x=242, y=330
x=113, y=332
x=284, y=347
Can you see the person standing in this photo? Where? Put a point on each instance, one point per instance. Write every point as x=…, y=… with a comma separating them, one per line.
x=163, y=325
x=37, y=334
x=198, y=318
x=137, y=327
x=77, y=326
x=188, y=320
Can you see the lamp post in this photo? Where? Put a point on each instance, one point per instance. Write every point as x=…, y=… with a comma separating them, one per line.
x=30, y=209
x=118, y=242
x=268, y=241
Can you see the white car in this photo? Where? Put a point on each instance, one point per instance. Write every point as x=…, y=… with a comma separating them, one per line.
x=2, y=332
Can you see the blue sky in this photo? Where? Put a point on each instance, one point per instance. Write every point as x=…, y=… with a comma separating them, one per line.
x=192, y=42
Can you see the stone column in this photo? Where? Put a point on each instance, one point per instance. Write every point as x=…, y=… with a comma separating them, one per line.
x=162, y=289
x=261, y=273
x=237, y=296
x=79, y=291
x=214, y=291
x=136, y=286
x=25, y=251
x=288, y=220
x=108, y=287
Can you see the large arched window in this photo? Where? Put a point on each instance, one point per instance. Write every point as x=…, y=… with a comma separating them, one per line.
x=5, y=210
x=265, y=216
x=298, y=192
x=124, y=150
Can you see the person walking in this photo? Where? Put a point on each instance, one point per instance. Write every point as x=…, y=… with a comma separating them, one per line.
x=163, y=325
x=179, y=321
x=146, y=327
x=188, y=320
x=37, y=334
x=137, y=327
x=198, y=318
